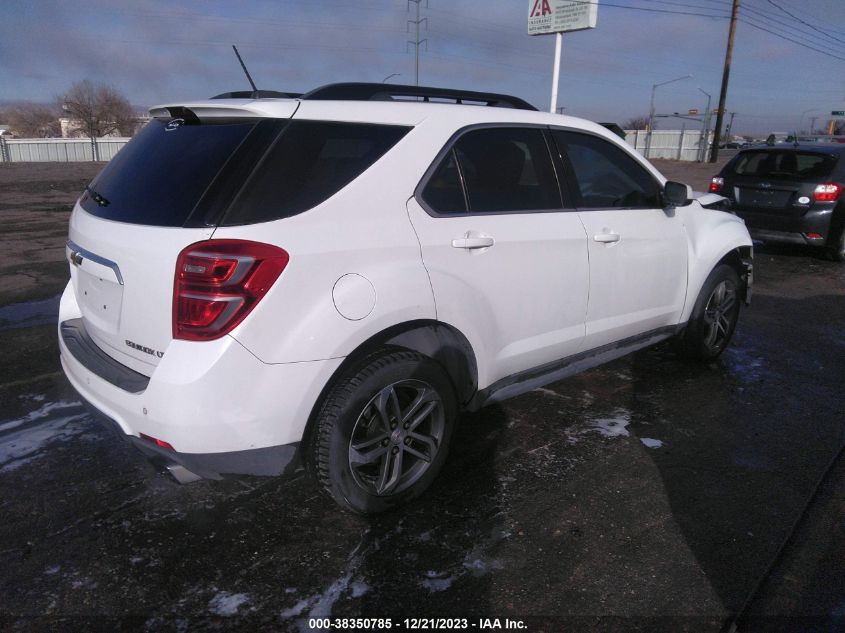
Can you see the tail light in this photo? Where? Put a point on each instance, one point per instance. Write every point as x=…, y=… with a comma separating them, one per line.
x=828, y=192
x=219, y=282
x=716, y=184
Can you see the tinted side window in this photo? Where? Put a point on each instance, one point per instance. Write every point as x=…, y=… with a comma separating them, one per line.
x=507, y=169
x=309, y=163
x=605, y=176
x=444, y=192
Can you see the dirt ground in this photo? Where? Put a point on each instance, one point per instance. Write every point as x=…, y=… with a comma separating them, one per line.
x=650, y=494
x=35, y=204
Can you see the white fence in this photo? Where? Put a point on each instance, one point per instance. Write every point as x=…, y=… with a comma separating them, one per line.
x=61, y=150
x=675, y=144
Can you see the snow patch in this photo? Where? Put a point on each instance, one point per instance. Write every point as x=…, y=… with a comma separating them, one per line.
x=435, y=582
x=23, y=440
x=44, y=411
x=359, y=588
x=227, y=604
x=651, y=443
x=296, y=610
x=615, y=426
x=550, y=392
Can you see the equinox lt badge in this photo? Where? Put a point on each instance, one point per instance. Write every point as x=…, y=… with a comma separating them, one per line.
x=146, y=350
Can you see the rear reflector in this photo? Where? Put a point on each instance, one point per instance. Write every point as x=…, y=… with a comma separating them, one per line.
x=716, y=184
x=828, y=192
x=219, y=282
x=814, y=236
x=156, y=441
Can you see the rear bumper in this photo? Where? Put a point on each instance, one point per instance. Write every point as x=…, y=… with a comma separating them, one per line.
x=812, y=228
x=220, y=408
x=786, y=237
x=269, y=461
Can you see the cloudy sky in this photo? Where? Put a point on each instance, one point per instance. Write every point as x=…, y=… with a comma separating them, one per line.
x=159, y=51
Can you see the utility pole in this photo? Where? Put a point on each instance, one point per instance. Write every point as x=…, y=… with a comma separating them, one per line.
x=726, y=73
x=704, y=137
x=417, y=41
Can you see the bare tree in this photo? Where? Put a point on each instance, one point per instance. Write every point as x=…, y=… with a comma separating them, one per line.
x=99, y=108
x=31, y=120
x=636, y=123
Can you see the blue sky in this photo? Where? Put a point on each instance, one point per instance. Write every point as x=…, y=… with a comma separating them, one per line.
x=158, y=51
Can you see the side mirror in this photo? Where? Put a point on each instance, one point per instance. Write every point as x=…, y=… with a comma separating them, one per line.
x=676, y=194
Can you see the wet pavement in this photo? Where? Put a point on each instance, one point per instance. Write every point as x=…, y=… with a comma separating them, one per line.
x=648, y=494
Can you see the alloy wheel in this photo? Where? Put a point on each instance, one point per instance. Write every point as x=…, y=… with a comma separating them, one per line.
x=396, y=437
x=719, y=314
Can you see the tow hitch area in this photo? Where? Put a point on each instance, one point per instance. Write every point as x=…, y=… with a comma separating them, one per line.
x=182, y=474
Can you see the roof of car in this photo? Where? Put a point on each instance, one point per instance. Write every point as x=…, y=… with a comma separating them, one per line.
x=390, y=105
x=824, y=148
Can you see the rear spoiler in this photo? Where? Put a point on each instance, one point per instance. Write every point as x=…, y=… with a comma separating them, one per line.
x=226, y=109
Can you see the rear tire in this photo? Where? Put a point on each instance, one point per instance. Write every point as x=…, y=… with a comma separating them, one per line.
x=837, y=250
x=714, y=315
x=383, y=432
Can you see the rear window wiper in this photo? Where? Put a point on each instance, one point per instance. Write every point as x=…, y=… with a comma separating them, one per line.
x=96, y=197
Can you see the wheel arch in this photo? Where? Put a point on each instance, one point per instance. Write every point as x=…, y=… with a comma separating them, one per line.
x=441, y=342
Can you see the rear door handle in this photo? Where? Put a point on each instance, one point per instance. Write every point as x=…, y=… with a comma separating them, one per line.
x=473, y=242
x=606, y=238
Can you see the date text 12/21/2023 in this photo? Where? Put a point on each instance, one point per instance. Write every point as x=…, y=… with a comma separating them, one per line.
x=414, y=624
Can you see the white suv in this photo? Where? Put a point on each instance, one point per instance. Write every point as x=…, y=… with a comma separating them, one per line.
x=258, y=283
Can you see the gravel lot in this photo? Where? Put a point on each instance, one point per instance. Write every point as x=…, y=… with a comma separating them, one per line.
x=648, y=494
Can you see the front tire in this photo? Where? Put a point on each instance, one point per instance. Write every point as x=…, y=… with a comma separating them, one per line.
x=383, y=432
x=714, y=315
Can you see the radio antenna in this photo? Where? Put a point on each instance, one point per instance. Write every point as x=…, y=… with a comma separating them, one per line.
x=246, y=72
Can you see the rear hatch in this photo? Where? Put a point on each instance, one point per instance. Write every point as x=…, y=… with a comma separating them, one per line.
x=165, y=190
x=777, y=183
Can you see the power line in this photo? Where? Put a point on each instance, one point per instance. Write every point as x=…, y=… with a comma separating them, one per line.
x=812, y=16
x=745, y=20
x=792, y=15
x=762, y=15
x=685, y=4
x=624, y=6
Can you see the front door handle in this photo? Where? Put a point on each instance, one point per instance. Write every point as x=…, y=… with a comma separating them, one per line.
x=473, y=242
x=606, y=238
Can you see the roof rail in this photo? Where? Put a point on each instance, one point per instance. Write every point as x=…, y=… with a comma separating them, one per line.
x=390, y=92
x=258, y=94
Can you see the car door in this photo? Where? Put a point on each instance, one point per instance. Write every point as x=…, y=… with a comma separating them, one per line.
x=507, y=262
x=638, y=249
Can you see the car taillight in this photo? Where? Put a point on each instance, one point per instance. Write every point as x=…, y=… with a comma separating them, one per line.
x=828, y=192
x=716, y=184
x=219, y=282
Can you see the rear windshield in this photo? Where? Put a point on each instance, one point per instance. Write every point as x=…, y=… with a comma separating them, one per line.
x=160, y=175
x=784, y=165
x=233, y=172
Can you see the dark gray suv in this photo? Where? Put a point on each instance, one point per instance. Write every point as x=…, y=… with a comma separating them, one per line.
x=789, y=194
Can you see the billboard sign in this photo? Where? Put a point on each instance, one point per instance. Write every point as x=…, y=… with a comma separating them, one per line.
x=560, y=16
